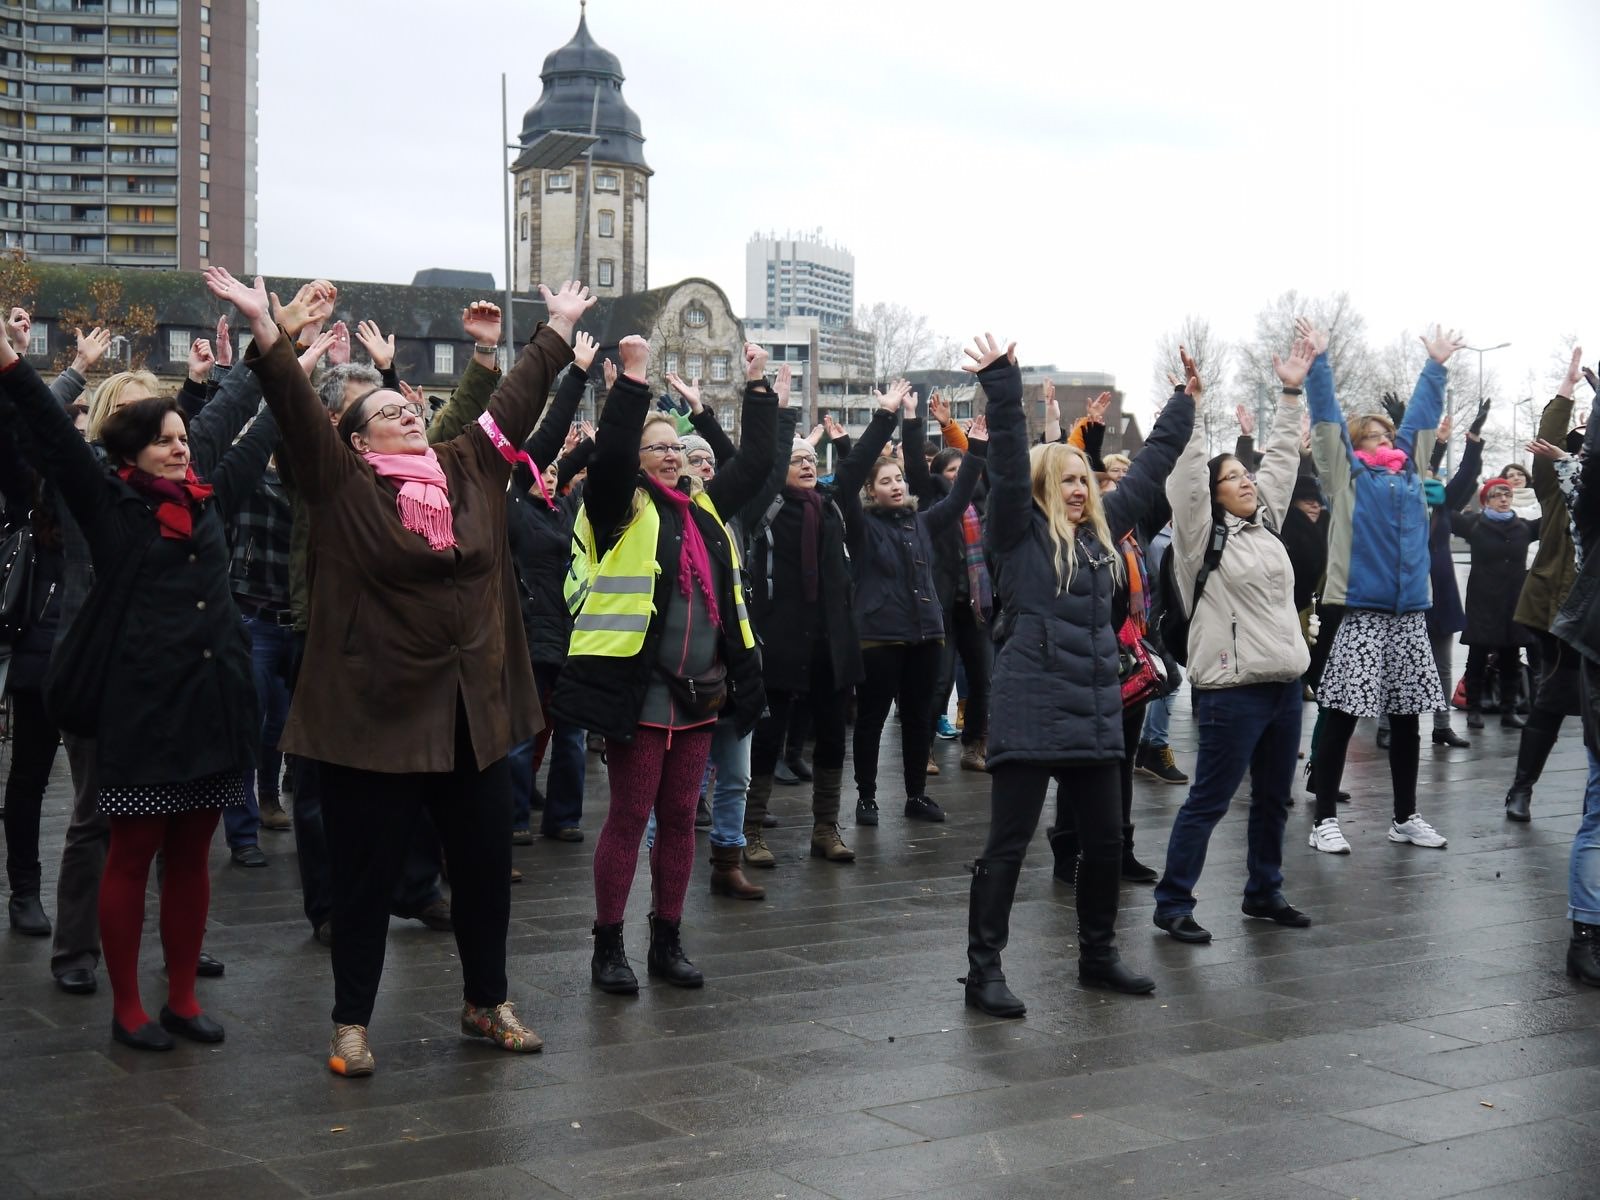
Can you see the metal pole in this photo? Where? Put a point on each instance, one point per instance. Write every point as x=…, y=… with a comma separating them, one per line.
x=506, y=184
x=588, y=190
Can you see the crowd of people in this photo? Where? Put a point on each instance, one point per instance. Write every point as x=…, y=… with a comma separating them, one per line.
x=285, y=598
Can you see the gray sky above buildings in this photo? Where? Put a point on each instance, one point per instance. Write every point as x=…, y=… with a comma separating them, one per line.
x=1076, y=177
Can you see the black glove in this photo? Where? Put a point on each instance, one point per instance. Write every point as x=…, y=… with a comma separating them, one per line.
x=1393, y=406
x=1483, y=415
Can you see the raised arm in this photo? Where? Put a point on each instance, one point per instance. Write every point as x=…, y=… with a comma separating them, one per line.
x=239, y=472
x=1553, y=425
x=614, y=464
x=1010, y=513
x=1415, y=435
x=214, y=428
x=948, y=512
x=1461, y=486
x=521, y=396
x=1141, y=488
x=1277, y=468
x=742, y=478
x=54, y=446
x=782, y=450
x=481, y=322
x=551, y=434
x=1189, y=494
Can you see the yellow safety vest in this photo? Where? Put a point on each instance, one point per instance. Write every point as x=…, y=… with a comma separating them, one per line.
x=613, y=598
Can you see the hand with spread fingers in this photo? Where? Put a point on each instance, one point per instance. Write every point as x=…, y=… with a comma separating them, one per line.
x=985, y=350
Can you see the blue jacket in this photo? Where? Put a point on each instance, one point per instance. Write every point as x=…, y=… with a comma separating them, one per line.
x=1378, y=555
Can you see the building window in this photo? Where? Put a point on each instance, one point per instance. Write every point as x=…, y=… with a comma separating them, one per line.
x=672, y=362
x=205, y=102
x=694, y=364
x=205, y=161
x=558, y=181
x=205, y=249
x=607, y=181
x=205, y=14
x=39, y=339
x=638, y=188
x=205, y=219
x=205, y=44
x=696, y=317
x=719, y=368
x=205, y=132
x=178, y=341
x=205, y=190
x=608, y=223
x=523, y=227
x=205, y=73
x=525, y=188
x=608, y=272
x=444, y=358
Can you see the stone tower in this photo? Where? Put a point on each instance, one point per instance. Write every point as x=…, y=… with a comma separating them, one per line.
x=596, y=216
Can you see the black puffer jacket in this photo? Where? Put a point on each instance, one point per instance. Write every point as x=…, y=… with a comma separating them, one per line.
x=1055, y=697
x=605, y=695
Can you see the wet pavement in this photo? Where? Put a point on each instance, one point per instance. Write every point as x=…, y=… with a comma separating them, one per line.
x=1419, y=1040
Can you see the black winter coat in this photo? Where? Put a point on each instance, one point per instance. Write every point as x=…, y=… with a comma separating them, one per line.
x=606, y=695
x=180, y=701
x=1499, y=567
x=1055, y=697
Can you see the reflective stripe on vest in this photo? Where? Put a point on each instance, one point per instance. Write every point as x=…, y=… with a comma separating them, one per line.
x=613, y=600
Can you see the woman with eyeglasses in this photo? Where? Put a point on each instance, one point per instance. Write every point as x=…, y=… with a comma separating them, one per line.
x=1245, y=657
x=1499, y=540
x=1056, y=710
x=661, y=646
x=1378, y=570
x=416, y=682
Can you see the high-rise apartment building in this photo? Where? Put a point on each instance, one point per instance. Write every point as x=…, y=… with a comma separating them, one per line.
x=799, y=277
x=128, y=131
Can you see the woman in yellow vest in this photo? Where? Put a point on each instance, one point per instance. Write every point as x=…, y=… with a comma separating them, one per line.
x=661, y=644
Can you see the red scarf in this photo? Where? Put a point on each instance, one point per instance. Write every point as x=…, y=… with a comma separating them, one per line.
x=175, y=502
x=694, y=561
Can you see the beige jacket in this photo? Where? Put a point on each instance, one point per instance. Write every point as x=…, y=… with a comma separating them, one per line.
x=1246, y=630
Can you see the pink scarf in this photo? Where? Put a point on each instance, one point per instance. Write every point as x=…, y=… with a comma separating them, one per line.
x=1390, y=459
x=694, y=562
x=424, y=498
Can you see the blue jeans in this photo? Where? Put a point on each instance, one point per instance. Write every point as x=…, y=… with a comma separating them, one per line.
x=1157, y=720
x=563, y=786
x=1254, y=728
x=272, y=651
x=730, y=759
x=1583, y=886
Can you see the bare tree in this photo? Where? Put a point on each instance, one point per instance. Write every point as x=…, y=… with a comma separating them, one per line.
x=904, y=341
x=1212, y=356
x=1352, y=360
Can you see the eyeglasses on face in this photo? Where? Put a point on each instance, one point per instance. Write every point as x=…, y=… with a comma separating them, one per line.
x=802, y=460
x=390, y=412
x=1375, y=435
x=700, y=459
x=1500, y=493
x=1235, y=477
x=662, y=448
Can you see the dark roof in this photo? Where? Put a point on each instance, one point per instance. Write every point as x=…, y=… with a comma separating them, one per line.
x=573, y=76
x=450, y=277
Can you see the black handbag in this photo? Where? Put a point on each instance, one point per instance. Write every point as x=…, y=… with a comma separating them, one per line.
x=16, y=582
x=75, y=684
x=699, y=696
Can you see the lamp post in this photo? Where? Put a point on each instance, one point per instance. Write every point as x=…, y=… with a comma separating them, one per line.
x=1480, y=354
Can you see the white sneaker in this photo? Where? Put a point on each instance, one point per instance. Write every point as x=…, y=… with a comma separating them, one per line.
x=1325, y=836
x=1416, y=831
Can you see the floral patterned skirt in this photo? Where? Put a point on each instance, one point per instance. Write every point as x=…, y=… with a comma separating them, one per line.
x=1381, y=663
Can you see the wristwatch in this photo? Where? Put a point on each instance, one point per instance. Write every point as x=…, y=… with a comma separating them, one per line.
x=476, y=349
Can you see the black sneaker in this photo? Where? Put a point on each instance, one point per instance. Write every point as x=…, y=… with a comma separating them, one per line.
x=866, y=812
x=1159, y=764
x=921, y=808
x=1283, y=914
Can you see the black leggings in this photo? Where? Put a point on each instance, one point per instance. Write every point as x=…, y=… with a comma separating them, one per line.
x=1404, y=750
x=902, y=673
x=369, y=817
x=823, y=702
x=34, y=739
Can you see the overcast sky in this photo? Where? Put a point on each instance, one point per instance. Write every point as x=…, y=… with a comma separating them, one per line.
x=1078, y=179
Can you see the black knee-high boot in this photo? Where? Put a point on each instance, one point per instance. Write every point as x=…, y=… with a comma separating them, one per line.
x=1532, y=752
x=994, y=887
x=1099, y=964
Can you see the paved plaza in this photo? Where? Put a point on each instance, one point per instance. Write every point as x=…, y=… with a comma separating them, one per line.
x=1420, y=1040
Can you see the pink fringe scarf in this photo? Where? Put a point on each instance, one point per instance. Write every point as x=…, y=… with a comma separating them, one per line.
x=424, y=499
x=694, y=563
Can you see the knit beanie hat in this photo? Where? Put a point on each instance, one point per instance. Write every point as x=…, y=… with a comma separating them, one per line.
x=1306, y=487
x=693, y=443
x=1483, y=492
x=800, y=444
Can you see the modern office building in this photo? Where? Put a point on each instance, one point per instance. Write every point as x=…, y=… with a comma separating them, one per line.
x=796, y=282
x=128, y=131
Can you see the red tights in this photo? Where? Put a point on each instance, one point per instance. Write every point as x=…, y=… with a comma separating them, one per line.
x=185, y=897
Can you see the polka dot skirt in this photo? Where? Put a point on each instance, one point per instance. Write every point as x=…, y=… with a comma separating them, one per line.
x=225, y=789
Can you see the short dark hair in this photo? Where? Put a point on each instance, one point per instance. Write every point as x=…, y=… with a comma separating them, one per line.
x=943, y=459
x=134, y=426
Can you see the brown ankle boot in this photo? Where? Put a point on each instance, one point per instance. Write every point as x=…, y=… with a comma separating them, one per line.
x=828, y=843
x=726, y=877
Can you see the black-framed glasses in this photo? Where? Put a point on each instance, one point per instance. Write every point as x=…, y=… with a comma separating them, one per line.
x=700, y=459
x=390, y=412
x=662, y=448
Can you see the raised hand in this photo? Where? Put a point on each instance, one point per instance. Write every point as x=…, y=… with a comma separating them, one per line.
x=1395, y=407
x=339, y=352
x=567, y=306
x=92, y=347
x=586, y=429
x=1574, y=373
x=816, y=434
x=415, y=395
x=1095, y=409
x=1247, y=419
x=312, y=354
x=1483, y=415
x=1305, y=431
x=783, y=384
x=978, y=431
x=835, y=430
x=584, y=348
x=252, y=303
x=635, y=353
x=201, y=360
x=1052, y=406
x=985, y=350
x=223, y=343
x=379, y=349
x=312, y=305
x=755, y=362
x=1317, y=337
x=570, y=442
x=481, y=321
x=1544, y=449
x=689, y=391
x=608, y=370
x=1193, y=385
x=939, y=409
x=1292, y=371
x=894, y=399
x=1441, y=345
x=908, y=405
x=1446, y=427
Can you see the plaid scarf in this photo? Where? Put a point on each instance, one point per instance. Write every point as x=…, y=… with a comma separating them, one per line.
x=175, y=502
x=978, y=587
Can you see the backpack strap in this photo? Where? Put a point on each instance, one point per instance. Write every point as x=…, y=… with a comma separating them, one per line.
x=1213, y=557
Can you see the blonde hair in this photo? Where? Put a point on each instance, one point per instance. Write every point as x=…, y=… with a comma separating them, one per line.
x=107, y=394
x=1117, y=460
x=1358, y=426
x=641, y=495
x=1047, y=464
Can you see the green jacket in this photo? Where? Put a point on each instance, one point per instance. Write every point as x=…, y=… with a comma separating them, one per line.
x=1550, y=578
x=466, y=404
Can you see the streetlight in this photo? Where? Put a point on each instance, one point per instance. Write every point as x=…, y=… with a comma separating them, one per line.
x=1480, y=354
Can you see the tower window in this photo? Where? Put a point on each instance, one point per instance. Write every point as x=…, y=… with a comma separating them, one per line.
x=524, y=229
x=525, y=188
x=608, y=222
x=608, y=273
x=558, y=181
x=607, y=181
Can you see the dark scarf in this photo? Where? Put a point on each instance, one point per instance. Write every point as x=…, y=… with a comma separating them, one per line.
x=810, y=502
x=175, y=503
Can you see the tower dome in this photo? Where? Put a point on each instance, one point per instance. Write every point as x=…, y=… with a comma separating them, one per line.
x=583, y=81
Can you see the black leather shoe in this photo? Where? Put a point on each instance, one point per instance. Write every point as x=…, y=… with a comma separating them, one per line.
x=609, y=969
x=1134, y=871
x=921, y=808
x=198, y=1028
x=148, y=1036
x=1185, y=928
x=248, y=856
x=1517, y=801
x=208, y=967
x=1449, y=737
x=993, y=997
x=79, y=981
x=1583, y=954
x=1112, y=974
x=1383, y=739
x=667, y=960
x=1283, y=914
x=27, y=916
x=866, y=812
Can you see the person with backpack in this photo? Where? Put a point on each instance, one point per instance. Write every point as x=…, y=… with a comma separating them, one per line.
x=1233, y=576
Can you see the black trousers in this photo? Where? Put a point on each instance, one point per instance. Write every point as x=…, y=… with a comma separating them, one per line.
x=904, y=674
x=824, y=704
x=369, y=817
x=971, y=640
x=34, y=739
x=1509, y=664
